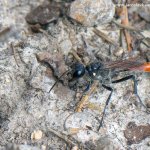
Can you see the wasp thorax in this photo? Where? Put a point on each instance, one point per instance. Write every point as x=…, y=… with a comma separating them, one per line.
x=93, y=69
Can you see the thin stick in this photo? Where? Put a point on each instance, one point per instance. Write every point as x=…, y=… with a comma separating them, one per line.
x=86, y=97
x=58, y=80
x=62, y=136
x=14, y=52
x=105, y=37
x=65, y=137
x=5, y=30
x=125, y=21
x=131, y=28
x=76, y=57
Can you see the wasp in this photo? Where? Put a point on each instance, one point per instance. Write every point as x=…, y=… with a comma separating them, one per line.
x=104, y=72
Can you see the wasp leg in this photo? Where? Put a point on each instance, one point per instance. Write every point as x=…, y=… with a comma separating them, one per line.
x=58, y=79
x=132, y=77
x=106, y=104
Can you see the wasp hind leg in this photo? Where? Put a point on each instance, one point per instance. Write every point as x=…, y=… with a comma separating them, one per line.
x=132, y=77
x=106, y=104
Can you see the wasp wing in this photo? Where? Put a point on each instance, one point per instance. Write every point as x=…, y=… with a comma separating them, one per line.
x=125, y=65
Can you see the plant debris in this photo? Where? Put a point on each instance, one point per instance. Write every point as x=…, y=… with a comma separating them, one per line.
x=54, y=61
x=123, y=13
x=135, y=134
x=4, y=30
x=44, y=14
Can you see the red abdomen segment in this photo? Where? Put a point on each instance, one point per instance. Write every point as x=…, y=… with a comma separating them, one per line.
x=145, y=67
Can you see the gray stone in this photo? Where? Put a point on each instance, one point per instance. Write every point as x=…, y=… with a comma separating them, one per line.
x=90, y=13
x=144, y=12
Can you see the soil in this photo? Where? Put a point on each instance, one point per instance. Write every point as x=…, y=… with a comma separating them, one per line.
x=31, y=117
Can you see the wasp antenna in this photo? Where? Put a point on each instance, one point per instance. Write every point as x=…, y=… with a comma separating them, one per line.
x=58, y=79
x=53, y=86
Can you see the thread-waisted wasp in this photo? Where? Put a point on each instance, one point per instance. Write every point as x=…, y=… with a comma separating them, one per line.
x=104, y=72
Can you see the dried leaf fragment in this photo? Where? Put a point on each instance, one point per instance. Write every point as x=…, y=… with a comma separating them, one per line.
x=54, y=61
x=44, y=14
x=135, y=134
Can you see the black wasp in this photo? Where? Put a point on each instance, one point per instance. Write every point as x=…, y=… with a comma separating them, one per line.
x=104, y=73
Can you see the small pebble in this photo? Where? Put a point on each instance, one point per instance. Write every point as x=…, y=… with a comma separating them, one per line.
x=37, y=135
x=144, y=13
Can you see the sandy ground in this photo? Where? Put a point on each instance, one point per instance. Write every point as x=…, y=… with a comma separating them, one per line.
x=27, y=106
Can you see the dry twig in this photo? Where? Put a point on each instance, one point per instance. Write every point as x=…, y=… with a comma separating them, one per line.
x=14, y=52
x=86, y=97
x=62, y=136
x=125, y=21
x=105, y=37
x=128, y=27
x=5, y=30
x=76, y=56
x=65, y=137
